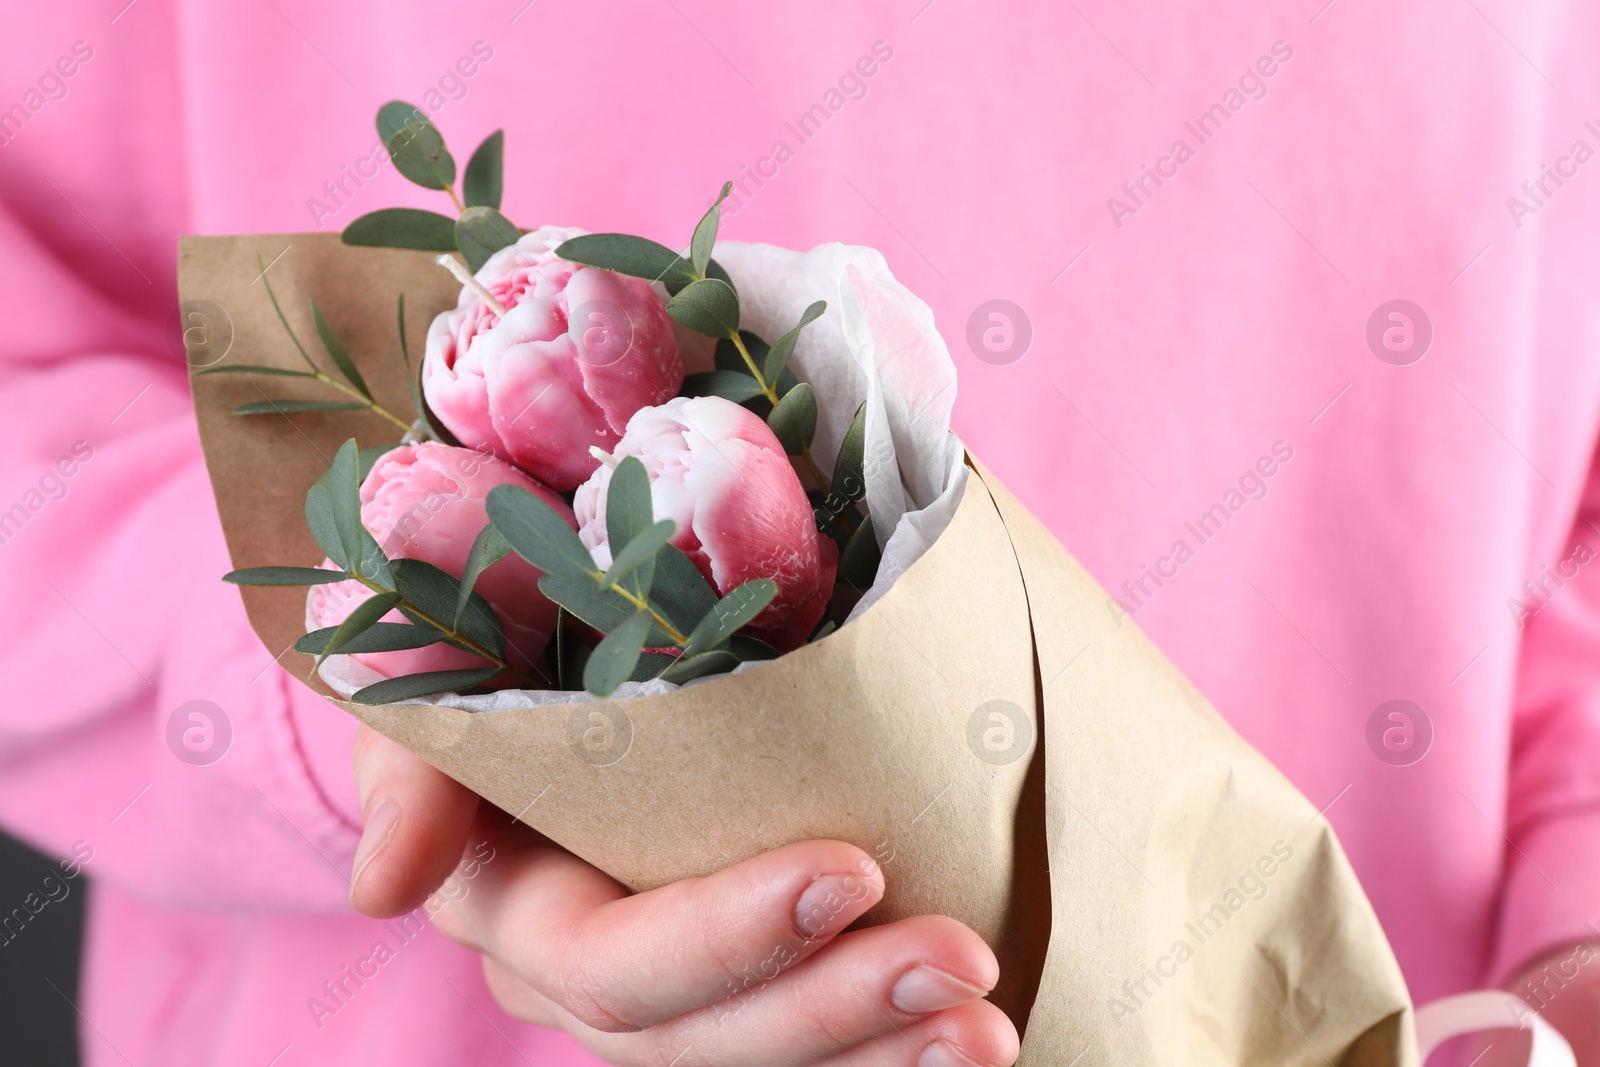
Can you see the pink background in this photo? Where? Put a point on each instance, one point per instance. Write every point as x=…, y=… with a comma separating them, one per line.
x=1168, y=354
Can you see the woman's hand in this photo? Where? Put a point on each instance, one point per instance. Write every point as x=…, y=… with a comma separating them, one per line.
x=746, y=966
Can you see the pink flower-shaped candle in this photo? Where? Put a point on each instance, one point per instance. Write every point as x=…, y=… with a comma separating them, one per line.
x=717, y=471
x=577, y=351
x=426, y=502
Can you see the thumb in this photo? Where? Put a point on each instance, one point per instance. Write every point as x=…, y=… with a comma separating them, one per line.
x=415, y=822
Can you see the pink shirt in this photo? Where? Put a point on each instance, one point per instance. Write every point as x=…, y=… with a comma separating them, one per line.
x=1198, y=212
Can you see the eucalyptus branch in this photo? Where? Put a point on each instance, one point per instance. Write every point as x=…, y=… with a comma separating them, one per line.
x=450, y=632
x=284, y=321
x=642, y=604
x=373, y=405
x=770, y=391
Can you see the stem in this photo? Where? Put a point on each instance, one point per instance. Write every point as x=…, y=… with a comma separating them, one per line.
x=454, y=199
x=468, y=279
x=643, y=605
x=471, y=645
x=771, y=393
x=377, y=408
x=285, y=322
x=768, y=391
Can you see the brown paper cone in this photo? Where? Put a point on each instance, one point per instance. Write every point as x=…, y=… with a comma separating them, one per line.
x=1134, y=821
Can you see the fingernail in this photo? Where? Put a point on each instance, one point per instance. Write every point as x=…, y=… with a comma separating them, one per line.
x=924, y=989
x=831, y=903
x=375, y=834
x=943, y=1054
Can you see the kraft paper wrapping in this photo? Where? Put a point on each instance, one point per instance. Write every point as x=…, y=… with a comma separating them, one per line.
x=1156, y=892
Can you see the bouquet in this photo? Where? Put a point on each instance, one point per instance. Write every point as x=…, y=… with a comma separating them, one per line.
x=669, y=552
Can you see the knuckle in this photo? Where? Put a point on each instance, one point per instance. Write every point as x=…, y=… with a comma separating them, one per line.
x=725, y=947
x=587, y=999
x=831, y=1028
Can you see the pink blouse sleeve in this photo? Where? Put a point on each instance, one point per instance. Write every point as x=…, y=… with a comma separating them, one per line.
x=1551, y=894
x=145, y=725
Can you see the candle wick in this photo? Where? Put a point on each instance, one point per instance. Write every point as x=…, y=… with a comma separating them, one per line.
x=466, y=278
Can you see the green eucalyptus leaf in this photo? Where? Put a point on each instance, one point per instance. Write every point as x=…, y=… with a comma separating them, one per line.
x=638, y=552
x=717, y=271
x=284, y=576
x=250, y=368
x=751, y=648
x=483, y=182
x=731, y=612
x=627, y=254
x=679, y=591
x=488, y=548
x=402, y=227
x=557, y=649
x=713, y=270
x=599, y=608
x=341, y=358
x=734, y=385
x=420, y=156
x=794, y=419
x=435, y=593
x=365, y=614
x=629, y=509
x=396, y=115
x=707, y=306
x=538, y=533
x=826, y=627
x=688, y=668
x=379, y=637
x=777, y=360
x=705, y=233
x=405, y=359
x=585, y=601
x=289, y=407
x=650, y=665
x=849, y=480
x=343, y=479
x=410, y=686
x=613, y=659
x=319, y=520
x=858, y=563
x=629, y=512
x=572, y=656
x=481, y=232
x=375, y=566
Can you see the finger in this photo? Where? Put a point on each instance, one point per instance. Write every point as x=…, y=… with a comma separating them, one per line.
x=620, y=963
x=865, y=985
x=497, y=840
x=973, y=1035
x=415, y=821
x=864, y=988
